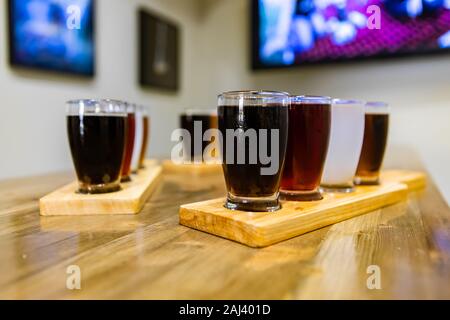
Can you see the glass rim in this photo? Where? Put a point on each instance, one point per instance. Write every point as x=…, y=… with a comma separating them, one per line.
x=377, y=104
x=199, y=112
x=99, y=107
x=131, y=108
x=311, y=99
x=95, y=101
x=349, y=101
x=254, y=94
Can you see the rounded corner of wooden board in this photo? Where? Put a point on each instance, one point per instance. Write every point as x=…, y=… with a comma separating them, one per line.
x=130, y=201
x=414, y=180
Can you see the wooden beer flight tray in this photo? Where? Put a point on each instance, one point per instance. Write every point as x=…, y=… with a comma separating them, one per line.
x=296, y=218
x=130, y=200
x=203, y=168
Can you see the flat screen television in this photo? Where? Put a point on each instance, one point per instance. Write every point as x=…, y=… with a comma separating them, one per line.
x=55, y=35
x=295, y=32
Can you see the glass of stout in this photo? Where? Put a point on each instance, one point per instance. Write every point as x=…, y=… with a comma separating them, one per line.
x=97, y=131
x=196, y=122
x=346, y=139
x=309, y=133
x=254, y=128
x=374, y=145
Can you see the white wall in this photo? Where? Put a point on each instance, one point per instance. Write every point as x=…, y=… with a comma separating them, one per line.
x=32, y=120
x=418, y=89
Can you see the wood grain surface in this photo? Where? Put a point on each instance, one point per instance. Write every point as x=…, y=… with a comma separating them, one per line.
x=150, y=256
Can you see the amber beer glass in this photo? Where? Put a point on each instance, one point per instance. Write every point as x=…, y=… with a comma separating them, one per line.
x=138, y=137
x=130, y=138
x=145, y=139
x=97, y=131
x=374, y=145
x=309, y=133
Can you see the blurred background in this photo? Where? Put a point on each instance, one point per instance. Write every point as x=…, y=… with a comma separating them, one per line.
x=175, y=54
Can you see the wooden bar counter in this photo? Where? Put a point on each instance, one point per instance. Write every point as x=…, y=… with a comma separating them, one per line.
x=151, y=256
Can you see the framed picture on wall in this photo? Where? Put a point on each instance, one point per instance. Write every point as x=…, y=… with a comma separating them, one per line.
x=54, y=35
x=158, y=52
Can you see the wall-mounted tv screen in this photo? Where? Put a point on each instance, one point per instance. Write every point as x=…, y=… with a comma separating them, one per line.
x=158, y=51
x=55, y=35
x=296, y=32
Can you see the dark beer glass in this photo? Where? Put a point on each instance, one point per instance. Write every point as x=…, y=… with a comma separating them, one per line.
x=146, y=137
x=97, y=132
x=374, y=145
x=203, y=120
x=129, y=143
x=253, y=125
x=309, y=134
